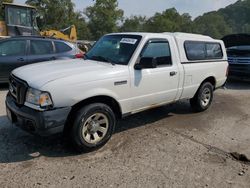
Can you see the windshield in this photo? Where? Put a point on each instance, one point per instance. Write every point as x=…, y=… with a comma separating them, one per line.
x=239, y=51
x=115, y=49
x=20, y=16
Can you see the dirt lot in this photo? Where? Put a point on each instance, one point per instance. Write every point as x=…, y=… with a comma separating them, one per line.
x=164, y=147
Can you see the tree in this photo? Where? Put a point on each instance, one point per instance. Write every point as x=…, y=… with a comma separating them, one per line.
x=103, y=17
x=246, y=28
x=81, y=25
x=59, y=14
x=169, y=21
x=55, y=14
x=134, y=23
x=212, y=24
x=237, y=15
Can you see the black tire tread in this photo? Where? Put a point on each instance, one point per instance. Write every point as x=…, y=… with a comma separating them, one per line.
x=75, y=136
x=195, y=101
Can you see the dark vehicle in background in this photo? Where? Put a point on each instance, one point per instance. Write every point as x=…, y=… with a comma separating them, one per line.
x=238, y=51
x=19, y=51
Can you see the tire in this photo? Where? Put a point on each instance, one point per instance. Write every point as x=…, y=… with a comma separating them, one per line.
x=93, y=126
x=203, y=98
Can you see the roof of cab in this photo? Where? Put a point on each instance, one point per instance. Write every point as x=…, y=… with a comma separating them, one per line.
x=178, y=35
x=190, y=36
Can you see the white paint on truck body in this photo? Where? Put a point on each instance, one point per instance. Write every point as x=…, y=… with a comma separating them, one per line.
x=72, y=81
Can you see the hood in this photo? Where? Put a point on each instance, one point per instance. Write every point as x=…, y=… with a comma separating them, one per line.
x=236, y=40
x=37, y=75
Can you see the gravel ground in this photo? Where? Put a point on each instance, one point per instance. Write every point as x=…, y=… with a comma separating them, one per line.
x=165, y=147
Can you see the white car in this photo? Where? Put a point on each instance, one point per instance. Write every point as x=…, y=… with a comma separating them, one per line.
x=124, y=73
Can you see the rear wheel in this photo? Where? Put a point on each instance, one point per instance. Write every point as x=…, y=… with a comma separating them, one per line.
x=203, y=98
x=93, y=127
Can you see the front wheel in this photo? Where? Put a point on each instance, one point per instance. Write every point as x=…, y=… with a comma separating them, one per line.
x=203, y=98
x=93, y=127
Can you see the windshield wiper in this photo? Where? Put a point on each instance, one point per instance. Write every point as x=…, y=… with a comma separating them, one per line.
x=101, y=58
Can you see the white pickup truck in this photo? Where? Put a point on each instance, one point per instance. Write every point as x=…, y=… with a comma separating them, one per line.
x=124, y=73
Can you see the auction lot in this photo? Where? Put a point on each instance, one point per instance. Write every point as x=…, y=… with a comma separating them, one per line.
x=165, y=147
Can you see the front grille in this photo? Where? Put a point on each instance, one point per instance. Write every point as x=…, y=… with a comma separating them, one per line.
x=18, y=89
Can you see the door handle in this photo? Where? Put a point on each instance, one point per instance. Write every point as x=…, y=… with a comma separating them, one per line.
x=173, y=73
x=20, y=59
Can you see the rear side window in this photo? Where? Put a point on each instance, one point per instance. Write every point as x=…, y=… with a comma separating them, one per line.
x=13, y=48
x=62, y=47
x=214, y=51
x=39, y=47
x=203, y=50
x=159, y=50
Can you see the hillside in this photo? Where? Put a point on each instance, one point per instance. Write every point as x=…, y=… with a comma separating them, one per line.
x=234, y=18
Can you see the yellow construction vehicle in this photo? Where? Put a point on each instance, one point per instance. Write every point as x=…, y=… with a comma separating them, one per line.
x=3, y=29
x=18, y=20
x=21, y=20
x=68, y=34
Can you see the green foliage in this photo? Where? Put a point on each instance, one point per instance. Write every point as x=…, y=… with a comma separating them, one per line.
x=169, y=21
x=104, y=17
x=232, y=19
x=59, y=14
x=212, y=24
x=83, y=31
x=133, y=24
x=56, y=13
x=237, y=16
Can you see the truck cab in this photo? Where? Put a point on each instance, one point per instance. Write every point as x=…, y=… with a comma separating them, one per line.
x=123, y=74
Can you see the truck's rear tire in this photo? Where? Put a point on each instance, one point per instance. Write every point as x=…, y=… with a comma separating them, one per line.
x=93, y=127
x=203, y=98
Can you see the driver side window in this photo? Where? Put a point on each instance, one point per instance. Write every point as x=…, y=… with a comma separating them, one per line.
x=160, y=51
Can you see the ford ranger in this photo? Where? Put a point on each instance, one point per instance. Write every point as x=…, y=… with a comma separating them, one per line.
x=124, y=73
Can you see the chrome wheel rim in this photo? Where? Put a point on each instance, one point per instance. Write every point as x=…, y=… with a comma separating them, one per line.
x=95, y=128
x=205, y=97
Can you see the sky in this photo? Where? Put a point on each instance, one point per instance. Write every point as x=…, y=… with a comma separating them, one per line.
x=150, y=7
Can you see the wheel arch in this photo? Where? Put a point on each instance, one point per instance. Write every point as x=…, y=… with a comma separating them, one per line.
x=110, y=101
x=210, y=79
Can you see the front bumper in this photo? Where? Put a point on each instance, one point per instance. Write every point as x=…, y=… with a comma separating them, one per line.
x=41, y=123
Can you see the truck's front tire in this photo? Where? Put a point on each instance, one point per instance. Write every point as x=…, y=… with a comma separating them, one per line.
x=93, y=127
x=203, y=98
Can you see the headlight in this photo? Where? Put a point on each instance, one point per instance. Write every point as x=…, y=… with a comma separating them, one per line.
x=38, y=99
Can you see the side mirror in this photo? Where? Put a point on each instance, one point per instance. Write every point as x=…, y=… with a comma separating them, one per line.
x=146, y=63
